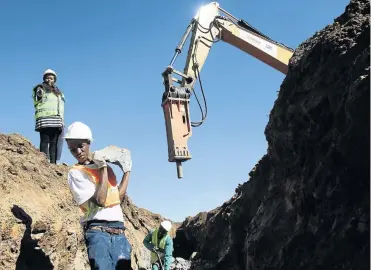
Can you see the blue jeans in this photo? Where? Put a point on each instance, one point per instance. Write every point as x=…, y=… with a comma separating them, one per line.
x=107, y=251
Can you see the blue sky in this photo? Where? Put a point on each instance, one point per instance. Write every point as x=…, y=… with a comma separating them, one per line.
x=109, y=56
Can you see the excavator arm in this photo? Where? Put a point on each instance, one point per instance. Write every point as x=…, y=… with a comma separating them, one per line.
x=206, y=28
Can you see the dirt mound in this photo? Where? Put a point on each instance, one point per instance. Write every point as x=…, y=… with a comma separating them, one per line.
x=306, y=204
x=39, y=222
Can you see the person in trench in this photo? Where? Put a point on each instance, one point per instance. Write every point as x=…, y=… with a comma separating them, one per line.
x=93, y=185
x=49, y=103
x=159, y=241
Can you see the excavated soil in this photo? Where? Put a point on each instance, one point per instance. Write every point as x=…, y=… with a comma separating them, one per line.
x=306, y=204
x=39, y=222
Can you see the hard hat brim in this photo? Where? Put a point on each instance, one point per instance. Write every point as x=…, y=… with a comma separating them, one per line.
x=74, y=138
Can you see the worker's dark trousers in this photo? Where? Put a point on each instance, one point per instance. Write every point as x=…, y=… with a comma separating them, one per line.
x=49, y=142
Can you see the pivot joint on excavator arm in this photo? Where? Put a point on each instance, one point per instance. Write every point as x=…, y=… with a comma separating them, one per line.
x=168, y=77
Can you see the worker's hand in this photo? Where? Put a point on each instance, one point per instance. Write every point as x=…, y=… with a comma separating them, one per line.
x=124, y=161
x=158, y=250
x=100, y=163
x=39, y=92
x=99, y=160
x=122, y=158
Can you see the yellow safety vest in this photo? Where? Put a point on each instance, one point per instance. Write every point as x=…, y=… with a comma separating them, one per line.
x=49, y=105
x=159, y=245
x=113, y=194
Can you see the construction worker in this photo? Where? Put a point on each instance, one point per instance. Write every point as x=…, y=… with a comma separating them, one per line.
x=49, y=114
x=93, y=185
x=159, y=241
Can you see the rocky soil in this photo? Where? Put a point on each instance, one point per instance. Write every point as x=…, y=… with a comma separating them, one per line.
x=39, y=223
x=306, y=204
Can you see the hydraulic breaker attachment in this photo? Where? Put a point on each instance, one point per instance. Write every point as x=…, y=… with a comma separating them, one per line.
x=175, y=104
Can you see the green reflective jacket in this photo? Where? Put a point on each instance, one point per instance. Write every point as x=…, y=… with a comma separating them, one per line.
x=166, y=244
x=47, y=103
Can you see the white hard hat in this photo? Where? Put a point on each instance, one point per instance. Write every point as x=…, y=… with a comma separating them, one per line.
x=78, y=130
x=49, y=71
x=166, y=225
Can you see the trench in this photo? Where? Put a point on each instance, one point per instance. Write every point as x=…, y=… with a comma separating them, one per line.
x=30, y=256
x=183, y=247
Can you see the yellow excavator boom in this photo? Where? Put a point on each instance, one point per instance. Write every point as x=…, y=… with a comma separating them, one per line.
x=206, y=28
